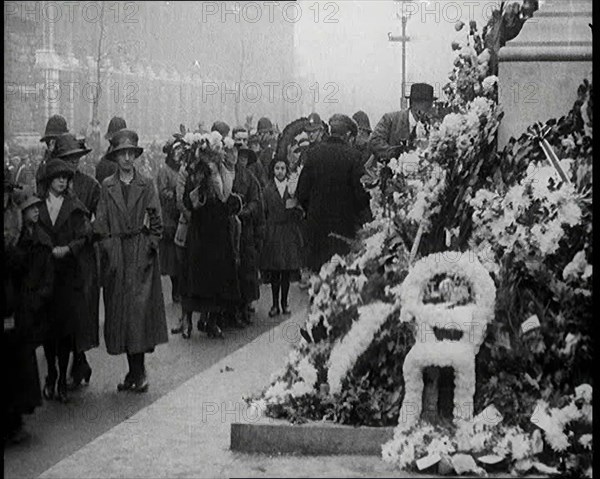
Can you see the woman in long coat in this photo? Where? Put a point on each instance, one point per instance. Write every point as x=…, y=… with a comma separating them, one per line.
x=210, y=283
x=87, y=190
x=64, y=218
x=129, y=225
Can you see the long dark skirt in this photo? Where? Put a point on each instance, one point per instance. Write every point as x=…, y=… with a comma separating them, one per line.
x=209, y=279
x=168, y=257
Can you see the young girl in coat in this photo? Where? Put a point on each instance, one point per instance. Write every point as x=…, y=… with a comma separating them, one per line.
x=65, y=219
x=282, y=250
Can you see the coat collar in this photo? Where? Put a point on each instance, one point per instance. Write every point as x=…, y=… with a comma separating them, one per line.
x=70, y=204
x=275, y=192
x=114, y=188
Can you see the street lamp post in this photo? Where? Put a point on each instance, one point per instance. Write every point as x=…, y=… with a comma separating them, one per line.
x=402, y=38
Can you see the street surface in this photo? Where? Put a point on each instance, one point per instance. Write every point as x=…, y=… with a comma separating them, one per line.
x=58, y=430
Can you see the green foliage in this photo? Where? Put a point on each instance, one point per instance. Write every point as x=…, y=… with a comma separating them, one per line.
x=372, y=393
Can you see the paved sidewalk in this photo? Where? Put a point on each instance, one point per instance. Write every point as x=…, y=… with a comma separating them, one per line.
x=186, y=433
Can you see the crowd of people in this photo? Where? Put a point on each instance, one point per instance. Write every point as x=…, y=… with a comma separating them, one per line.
x=270, y=208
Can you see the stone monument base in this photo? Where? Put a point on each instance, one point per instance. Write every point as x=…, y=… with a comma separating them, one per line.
x=271, y=436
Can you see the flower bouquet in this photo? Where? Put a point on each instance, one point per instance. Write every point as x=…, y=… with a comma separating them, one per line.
x=209, y=164
x=205, y=161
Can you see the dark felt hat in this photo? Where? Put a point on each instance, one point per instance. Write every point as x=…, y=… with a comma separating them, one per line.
x=57, y=167
x=124, y=140
x=115, y=124
x=362, y=120
x=221, y=127
x=264, y=124
x=56, y=125
x=314, y=122
x=348, y=123
x=68, y=145
x=421, y=92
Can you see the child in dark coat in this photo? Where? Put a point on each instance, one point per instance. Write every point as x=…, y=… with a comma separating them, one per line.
x=28, y=269
x=282, y=250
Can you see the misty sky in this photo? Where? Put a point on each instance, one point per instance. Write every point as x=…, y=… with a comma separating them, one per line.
x=355, y=52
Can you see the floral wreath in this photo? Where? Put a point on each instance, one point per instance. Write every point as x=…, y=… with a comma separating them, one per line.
x=467, y=266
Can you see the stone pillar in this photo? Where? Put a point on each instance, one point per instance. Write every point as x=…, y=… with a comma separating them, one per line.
x=540, y=70
x=49, y=62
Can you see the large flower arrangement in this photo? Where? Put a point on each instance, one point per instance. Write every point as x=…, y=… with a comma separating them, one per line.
x=350, y=290
x=536, y=358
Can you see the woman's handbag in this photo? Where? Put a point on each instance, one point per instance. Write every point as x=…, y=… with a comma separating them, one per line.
x=182, y=229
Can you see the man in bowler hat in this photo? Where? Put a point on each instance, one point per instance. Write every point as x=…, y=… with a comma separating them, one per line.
x=56, y=125
x=107, y=167
x=396, y=131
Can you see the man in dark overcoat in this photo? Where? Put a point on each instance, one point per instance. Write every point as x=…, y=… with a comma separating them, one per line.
x=361, y=143
x=56, y=125
x=331, y=193
x=252, y=217
x=267, y=141
x=396, y=131
x=316, y=131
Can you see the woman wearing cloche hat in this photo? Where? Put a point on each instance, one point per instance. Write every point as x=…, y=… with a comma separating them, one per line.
x=87, y=190
x=130, y=226
x=64, y=218
x=106, y=167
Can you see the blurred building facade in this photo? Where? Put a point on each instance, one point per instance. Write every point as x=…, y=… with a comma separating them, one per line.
x=161, y=64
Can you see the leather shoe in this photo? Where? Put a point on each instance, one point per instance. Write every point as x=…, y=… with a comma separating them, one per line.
x=141, y=385
x=126, y=385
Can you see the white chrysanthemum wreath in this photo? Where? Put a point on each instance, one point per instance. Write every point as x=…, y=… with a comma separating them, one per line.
x=470, y=319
